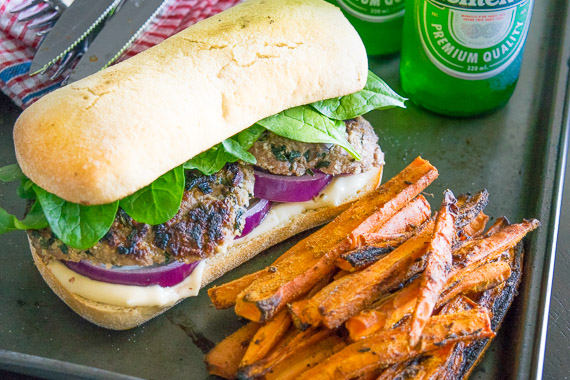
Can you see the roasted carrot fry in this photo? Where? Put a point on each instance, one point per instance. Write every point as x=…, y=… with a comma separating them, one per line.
x=485, y=277
x=387, y=313
x=471, y=206
x=266, y=338
x=435, y=363
x=313, y=257
x=304, y=316
x=389, y=347
x=362, y=257
x=224, y=296
x=476, y=227
x=427, y=366
x=346, y=296
x=502, y=240
x=390, y=310
x=439, y=261
x=499, y=223
x=401, y=225
x=306, y=358
x=299, y=342
x=223, y=360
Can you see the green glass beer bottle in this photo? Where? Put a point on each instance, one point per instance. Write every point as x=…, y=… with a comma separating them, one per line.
x=463, y=57
x=378, y=22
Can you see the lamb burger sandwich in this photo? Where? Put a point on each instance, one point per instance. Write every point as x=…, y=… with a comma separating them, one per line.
x=150, y=179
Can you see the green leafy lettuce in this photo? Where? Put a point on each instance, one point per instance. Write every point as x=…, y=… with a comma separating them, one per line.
x=79, y=226
x=375, y=95
x=164, y=194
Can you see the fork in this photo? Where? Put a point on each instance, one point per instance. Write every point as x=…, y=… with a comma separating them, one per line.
x=44, y=13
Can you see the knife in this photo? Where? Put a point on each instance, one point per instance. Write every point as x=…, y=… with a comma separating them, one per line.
x=73, y=26
x=119, y=32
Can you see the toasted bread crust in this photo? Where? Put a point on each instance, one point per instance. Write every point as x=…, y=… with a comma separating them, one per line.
x=123, y=318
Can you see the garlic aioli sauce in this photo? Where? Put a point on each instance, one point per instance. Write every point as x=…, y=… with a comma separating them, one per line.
x=340, y=190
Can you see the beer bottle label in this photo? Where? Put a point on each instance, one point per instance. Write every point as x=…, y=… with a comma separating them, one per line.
x=374, y=10
x=473, y=39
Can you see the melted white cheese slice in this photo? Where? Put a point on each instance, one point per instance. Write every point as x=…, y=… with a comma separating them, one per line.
x=127, y=295
x=340, y=190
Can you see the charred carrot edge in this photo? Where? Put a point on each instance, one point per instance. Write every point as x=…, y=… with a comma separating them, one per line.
x=412, y=215
x=305, y=358
x=313, y=257
x=224, y=296
x=223, y=360
x=385, y=314
x=266, y=337
x=299, y=342
x=501, y=240
x=439, y=261
x=392, y=309
x=477, y=226
x=394, y=232
x=390, y=347
x=346, y=296
x=363, y=257
x=436, y=362
x=483, y=278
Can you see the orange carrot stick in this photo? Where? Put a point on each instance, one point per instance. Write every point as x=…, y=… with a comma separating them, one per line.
x=266, y=337
x=439, y=261
x=389, y=347
x=502, y=240
x=305, y=358
x=483, y=278
x=299, y=342
x=346, y=296
x=224, y=296
x=223, y=360
x=403, y=223
x=384, y=316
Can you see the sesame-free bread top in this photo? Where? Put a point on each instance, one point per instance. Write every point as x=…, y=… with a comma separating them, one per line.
x=104, y=137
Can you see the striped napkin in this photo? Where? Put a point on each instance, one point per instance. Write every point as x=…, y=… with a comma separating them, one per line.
x=18, y=44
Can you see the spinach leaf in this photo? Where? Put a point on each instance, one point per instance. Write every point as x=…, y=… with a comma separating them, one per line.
x=234, y=148
x=210, y=161
x=230, y=150
x=307, y=125
x=35, y=220
x=375, y=95
x=11, y=173
x=26, y=189
x=157, y=202
x=247, y=137
x=76, y=225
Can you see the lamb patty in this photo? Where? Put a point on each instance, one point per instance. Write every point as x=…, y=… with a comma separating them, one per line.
x=211, y=214
x=282, y=156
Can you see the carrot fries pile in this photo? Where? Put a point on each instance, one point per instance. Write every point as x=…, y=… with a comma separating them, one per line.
x=385, y=290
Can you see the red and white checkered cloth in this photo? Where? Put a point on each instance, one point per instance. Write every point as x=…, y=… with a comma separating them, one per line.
x=18, y=44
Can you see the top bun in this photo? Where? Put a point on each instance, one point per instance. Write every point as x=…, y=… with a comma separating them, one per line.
x=104, y=137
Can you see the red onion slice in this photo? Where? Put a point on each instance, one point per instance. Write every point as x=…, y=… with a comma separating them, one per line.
x=283, y=188
x=255, y=215
x=162, y=275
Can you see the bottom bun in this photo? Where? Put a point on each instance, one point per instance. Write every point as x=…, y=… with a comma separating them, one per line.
x=123, y=317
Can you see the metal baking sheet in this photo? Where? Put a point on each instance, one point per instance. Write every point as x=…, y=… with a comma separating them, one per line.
x=517, y=153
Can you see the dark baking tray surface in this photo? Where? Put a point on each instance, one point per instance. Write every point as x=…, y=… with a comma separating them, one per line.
x=517, y=153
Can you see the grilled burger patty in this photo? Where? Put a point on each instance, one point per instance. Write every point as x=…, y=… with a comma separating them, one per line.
x=211, y=214
x=282, y=156
x=212, y=209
